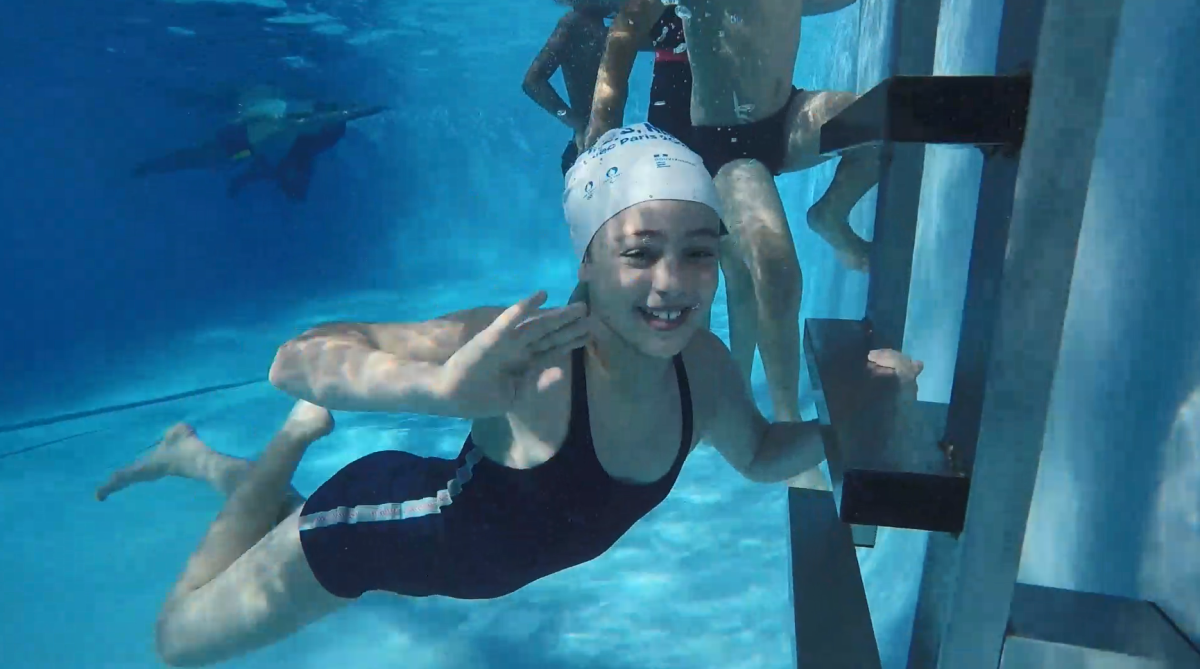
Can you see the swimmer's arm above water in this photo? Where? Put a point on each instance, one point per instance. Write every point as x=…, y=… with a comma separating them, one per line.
x=625, y=38
x=537, y=79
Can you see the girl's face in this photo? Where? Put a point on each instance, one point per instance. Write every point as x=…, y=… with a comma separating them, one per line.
x=651, y=274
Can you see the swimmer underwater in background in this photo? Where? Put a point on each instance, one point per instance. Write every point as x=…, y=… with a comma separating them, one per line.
x=582, y=45
x=582, y=418
x=639, y=27
x=575, y=46
x=653, y=25
x=274, y=147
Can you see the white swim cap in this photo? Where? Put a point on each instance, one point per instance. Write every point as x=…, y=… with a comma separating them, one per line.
x=628, y=166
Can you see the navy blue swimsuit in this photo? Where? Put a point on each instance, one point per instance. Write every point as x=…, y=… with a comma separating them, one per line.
x=471, y=528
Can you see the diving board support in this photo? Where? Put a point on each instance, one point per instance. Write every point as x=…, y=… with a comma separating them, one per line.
x=971, y=613
x=832, y=622
x=972, y=488
x=1070, y=80
x=1016, y=54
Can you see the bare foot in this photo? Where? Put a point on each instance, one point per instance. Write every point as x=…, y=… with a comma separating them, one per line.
x=309, y=421
x=852, y=251
x=175, y=453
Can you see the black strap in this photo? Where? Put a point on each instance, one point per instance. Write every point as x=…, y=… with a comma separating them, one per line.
x=685, y=404
x=580, y=417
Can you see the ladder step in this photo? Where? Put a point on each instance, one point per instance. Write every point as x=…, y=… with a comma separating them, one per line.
x=883, y=445
x=1051, y=627
x=975, y=110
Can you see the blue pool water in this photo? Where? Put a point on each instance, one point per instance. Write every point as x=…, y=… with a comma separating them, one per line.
x=118, y=291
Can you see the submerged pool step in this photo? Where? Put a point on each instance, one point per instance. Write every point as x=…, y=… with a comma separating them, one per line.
x=882, y=444
x=935, y=109
x=1052, y=628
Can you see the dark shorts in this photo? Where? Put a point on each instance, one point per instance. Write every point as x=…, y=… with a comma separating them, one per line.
x=370, y=526
x=671, y=100
x=765, y=140
x=671, y=104
x=570, y=154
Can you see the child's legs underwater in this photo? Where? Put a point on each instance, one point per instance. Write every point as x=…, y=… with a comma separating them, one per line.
x=266, y=595
x=181, y=453
x=857, y=172
x=755, y=216
x=249, y=584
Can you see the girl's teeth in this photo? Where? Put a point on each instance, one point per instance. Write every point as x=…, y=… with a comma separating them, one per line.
x=665, y=315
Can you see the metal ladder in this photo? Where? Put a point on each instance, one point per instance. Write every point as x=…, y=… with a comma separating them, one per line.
x=965, y=471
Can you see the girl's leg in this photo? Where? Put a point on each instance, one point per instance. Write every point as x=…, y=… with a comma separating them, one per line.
x=249, y=585
x=265, y=596
x=181, y=453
